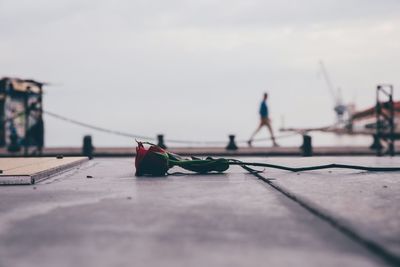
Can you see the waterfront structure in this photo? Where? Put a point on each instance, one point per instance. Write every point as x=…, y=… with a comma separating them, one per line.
x=21, y=121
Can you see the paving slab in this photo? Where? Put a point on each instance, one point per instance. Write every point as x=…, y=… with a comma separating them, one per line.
x=30, y=170
x=368, y=203
x=99, y=214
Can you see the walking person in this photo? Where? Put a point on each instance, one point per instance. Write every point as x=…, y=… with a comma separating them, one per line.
x=264, y=121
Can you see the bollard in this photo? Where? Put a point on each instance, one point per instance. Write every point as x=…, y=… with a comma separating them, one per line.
x=376, y=145
x=161, y=143
x=231, y=145
x=306, y=148
x=87, y=147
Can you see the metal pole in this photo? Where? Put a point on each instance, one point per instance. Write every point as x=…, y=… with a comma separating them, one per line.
x=391, y=105
x=26, y=139
x=377, y=112
x=40, y=121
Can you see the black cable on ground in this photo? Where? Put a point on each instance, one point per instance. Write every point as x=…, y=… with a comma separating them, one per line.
x=318, y=167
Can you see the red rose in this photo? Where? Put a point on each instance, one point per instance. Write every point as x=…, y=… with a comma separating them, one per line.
x=155, y=161
x=152, y=161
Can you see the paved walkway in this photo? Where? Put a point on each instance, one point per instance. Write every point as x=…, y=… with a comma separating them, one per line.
x=99, y=214
x=260, y=151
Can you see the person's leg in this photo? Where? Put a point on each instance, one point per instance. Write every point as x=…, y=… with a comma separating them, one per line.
x=255, y=132
x=271, y=131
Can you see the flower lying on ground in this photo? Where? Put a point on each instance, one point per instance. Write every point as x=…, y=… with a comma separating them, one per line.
x=151, y=161
x=155, y=161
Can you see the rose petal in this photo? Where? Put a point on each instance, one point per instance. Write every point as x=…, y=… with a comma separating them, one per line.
x=152, y=161
x=141, y=152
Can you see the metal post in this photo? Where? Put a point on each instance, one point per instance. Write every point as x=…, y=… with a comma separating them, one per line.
x=26, y=109
x=376, y=143
x=306, y=148
x=385, y=114
x=391, y=122
x=378, y=110
x=87, y=147
x=231, y=145
x=160, y=142
x=40, y=144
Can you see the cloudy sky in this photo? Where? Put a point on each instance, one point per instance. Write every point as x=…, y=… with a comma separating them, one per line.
x=197, y=69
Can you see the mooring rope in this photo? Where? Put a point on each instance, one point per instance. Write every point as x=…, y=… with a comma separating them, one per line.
x=142, y=137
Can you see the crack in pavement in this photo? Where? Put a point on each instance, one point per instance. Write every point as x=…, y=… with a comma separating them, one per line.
x=373, y=247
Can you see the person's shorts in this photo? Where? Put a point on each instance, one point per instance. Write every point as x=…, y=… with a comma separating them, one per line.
x=264, y=120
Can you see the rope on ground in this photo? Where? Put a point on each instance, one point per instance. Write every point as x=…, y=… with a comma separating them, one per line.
x=137, y=136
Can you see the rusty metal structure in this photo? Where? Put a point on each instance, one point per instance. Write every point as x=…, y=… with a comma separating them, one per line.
x=385, y=116
x=21, y=114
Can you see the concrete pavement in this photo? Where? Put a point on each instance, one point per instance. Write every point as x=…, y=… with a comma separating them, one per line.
x=220, y=149
x=99, y=214
x=366, y=202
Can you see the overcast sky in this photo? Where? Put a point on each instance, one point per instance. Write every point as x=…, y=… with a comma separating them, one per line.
x=197, y=69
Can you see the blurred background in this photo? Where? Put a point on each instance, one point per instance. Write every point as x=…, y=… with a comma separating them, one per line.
x=197, y=70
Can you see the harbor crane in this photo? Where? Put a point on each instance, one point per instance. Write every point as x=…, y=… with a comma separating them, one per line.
x=339, y=108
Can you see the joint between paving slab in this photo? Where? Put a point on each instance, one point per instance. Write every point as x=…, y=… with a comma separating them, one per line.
x=376, y=249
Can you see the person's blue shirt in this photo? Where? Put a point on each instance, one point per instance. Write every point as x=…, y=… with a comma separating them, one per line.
x=264, y=109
